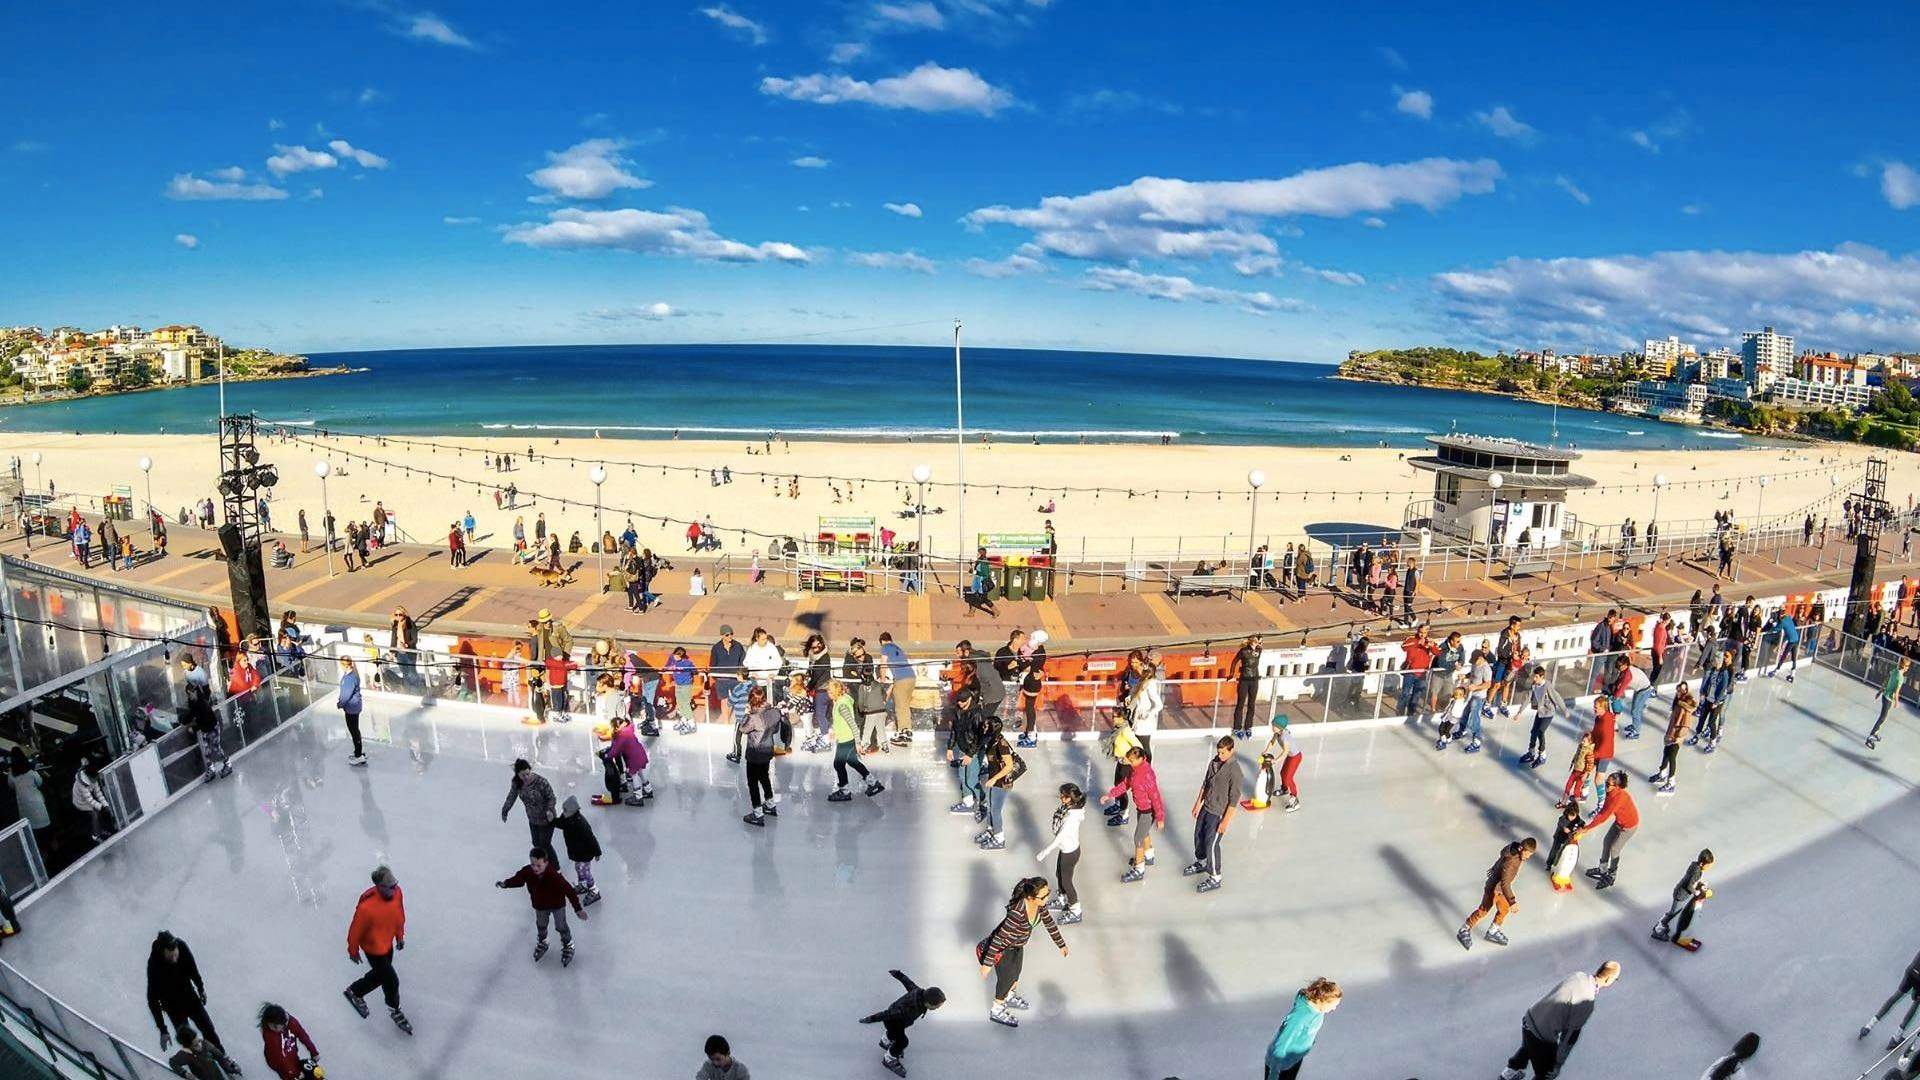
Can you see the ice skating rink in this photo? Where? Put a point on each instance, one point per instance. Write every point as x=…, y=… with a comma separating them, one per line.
x=781, y=937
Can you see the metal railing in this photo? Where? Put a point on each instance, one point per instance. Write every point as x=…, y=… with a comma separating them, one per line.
x=66, y=1039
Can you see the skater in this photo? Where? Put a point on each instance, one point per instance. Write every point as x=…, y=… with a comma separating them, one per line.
x=1498, y=897
x=283, y=1037
x=1547, y=704
x=549, y=891
x=176, y=992
x=1552, y=1026
x=1287, y=756
x=1067, y=819
x=1003, y=951
x=1789, y=630
x=1678, y=723
x=582, y=848
x=1733, y=1065
x=1031, y=684
x=846, y=746
x=624, y=767
x=1617, y=807
x=1150, y=811
x=378, y=930
x=349, y=699
x=1909, y=989
x=90, y=799
x=1213, y=808
x=1688, y=895
x=760, y=732
x=1246, y=686
x=1003, y=768
x=1716, y=686
x=1579, y=774
x=1301, y=1028
x=721, y=1064
x=533, y=791
x=1564, y=857
x=964, y=747
x=1604, y=720
x=895, y=1019
x=1889, y=693
x=204, y=721
x=1639, y=691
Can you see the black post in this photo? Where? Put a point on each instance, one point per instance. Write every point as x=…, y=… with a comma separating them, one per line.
x=1870, y=514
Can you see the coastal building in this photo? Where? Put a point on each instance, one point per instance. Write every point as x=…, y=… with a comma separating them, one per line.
x=1830, y=369
x=1764, y=357
x=1729, y=389
x=1677, y=400
x=1663, y=357
x=1510, y=492
x=1717, y=364
x=190, y=336
x=1799, y=393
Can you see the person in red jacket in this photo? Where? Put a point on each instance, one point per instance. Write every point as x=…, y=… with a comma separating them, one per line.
x=1618, y=808
x=1604, y=721
x=283, y=1037
x=550, y=892
x=378, y=930
x=1149, y=811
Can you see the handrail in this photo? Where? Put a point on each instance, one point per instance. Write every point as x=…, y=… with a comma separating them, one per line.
x=58, y=1050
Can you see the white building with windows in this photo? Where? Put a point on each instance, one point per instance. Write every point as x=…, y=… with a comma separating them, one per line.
x=1765, y=356
x=1806, y=394
x=1503, y=490
x=1663, y=357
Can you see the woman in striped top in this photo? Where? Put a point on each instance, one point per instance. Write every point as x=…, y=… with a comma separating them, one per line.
x=1003, y=950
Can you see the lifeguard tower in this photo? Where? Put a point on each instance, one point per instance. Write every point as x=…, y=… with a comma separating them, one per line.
x=1503, y=492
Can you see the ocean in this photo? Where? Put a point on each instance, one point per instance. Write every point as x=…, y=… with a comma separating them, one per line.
x=744, y=392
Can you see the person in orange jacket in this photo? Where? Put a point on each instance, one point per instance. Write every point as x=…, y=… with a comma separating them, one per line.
x=378, y=930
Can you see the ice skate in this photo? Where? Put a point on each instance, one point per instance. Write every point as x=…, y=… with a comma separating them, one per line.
x=1630, y=733
x=994, y=843
x=840, y=795
x=893, y=1064
x=1512, y=1074
x=1117, y=820
x=874, y=787
x=1873, y=742
x=360, y=1004
x=1661, y=933
x=356, y=759
x=1538, y=761
x=770, y=810
x=400, y=1020
x=637, y=800
x=1497, y=935
x=1708, y=748
x=566, y=953
x=539, y=950
x=1028, y=742
x=1191, y=869
x=1133, y=874
x=1667, y=788
x=1473, y=747
x=1465, y=938
x=1002, y=1017
x=1149, y=856
x=1693, y=739
x=733, y=758
x=1605, y=882
x=1657, y=779
x=1070, y=916
x=964, y=806
x=1208, y=885
x=1897, y=1038
x=1596, y=873
x=983, y=836
x=589, y=897
x=755, y=818
x=226, y=770
x=1293, y=803
x=1526, y=760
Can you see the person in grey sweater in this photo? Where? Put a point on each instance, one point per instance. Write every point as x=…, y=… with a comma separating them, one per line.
x=1545, y=700
x=1552, y=1026
x=721, y=1064
x=536, y=795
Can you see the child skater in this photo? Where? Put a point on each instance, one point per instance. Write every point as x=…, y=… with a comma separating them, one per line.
x=1579, y=774
x=1564, y=857
x=582, y=848
x=906, y=1010
x=1066, y=849
x=550, y=892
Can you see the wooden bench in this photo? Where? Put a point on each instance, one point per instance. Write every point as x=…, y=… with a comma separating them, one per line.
x=1231, y=584
x=1526, y=565
x=1633, y=560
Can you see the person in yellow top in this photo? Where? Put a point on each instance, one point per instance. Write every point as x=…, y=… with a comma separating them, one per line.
x=846, y=735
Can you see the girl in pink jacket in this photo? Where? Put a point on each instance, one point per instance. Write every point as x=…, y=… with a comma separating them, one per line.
x=1149, y=811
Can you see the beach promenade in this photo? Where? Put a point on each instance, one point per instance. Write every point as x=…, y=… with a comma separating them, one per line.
x=493, y=597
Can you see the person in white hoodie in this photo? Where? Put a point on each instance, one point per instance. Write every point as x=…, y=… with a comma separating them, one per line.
x=91, y=799
x=1146, y=705
x=1066, y=849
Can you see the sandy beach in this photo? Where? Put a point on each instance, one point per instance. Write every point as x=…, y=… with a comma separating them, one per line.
x=1321, y=489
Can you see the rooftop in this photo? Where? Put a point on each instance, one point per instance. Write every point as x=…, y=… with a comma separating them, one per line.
x=1488, y=444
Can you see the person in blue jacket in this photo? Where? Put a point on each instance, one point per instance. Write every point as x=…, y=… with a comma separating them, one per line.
x=1301, y=1027
x=1789, y=631
x=349, y=699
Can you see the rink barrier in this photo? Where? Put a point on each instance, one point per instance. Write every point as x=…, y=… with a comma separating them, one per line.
x=67, y=1040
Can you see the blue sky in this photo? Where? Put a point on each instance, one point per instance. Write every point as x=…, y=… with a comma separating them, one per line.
x=1204, y=178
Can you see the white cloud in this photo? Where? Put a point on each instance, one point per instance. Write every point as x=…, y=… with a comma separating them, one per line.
x=1374, y=223
x=674, y=231
x=451, y=220
x=1122, y=101
x=1391, y=56
x=369, y=95
x=186, y=240
x=1503, y=123
x=276, y=124
x=1572, y=190
x=1012, y=266
x=1156, y=217
x=1668, y=128
x=846, y=52
x=426, y=26
x=920, y=15
x=1644, y=141
x=294, y=159
x=1180, y=290
x=811, y=162
x=1414, y=103
x=1693, y=209
x=893, y=260
x=1343, y=278
x=1900, y=184
x=1257, y=265
x=593, y=169
x=904, y=209
x=653, y=312
x=1852, y=296
x=733, y=20
x=927, y=88
x=315, y=193
x=366, y=159
x=188, y=186
x=231, y=173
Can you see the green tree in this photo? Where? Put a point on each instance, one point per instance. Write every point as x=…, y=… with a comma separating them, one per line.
x=78, y=380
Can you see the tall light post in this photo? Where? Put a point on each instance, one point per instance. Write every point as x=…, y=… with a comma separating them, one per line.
x=1494, y=482
x=1659, y=484
x=37, y=485
x=146, y=466
x=1255, y=480
x=921, y=474
x=959, y=452
x=599, y=476
x=321, y=469
x=1760, y=504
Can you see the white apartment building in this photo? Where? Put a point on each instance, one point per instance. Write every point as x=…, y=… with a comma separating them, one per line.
x=1717, y=364
x=1806, y=394
x=1663, y=357
x=1765, y=356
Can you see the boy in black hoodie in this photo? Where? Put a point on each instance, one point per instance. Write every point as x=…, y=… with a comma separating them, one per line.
x=906, y=1010
x=582, y=848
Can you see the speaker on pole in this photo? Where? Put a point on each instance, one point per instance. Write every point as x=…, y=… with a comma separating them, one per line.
x=247, y=580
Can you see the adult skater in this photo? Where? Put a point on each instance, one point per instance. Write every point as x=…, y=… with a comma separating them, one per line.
x=1688, y=895
x=282, y=1038
x=1889, y=693
x=349, y=699
x=1002, y=770
x=1067, y=819
x=721, y=1064
x=760, y=732
x=1149, y=811
x=1301, y=1028
x=1678, y=722
x=204, y=721
x=378, y=930
x=176, y=992
x=1246, y=686
x=965, y=747
x=1733, y=1064
x=549, y=891
x=895, y=1019
x=1498, y=897
x=1213, y=808
x=846, y=746
x=1552, y=1026
x=1605, y=727
x=1789, y=631
x=1547, y=703
x=1909, y=989
x=533, y=792
x=1032, y=682
x=1003, y=951
x=1617, y=807
x=1716, y=687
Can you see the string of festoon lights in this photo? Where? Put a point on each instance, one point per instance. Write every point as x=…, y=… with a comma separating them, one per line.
x=334, y=439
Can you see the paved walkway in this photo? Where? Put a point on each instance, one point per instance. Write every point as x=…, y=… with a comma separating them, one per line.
x=491, y=596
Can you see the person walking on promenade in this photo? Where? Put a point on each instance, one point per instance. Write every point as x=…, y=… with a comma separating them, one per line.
x=1409, y=585
x=907, y=1010
x=282, y=1038
x=1300, y=1029
x=900, y=680
x=1547, y=704
x=1552, y=1027
x=1731, y=1066
x=1688, y=895
x=1910, y=989
x=1678, y=724
x=305, y=541
x=1067, y=819
x=1002, y=953
x=549, y=891
x=846, y=746
x=1149, y=810
x=378, y=930
x=1213, y=808
x=1617, y=807
x=1889, y=694
x=1498, y=897
x=997, y=776
x=533, y=792
x=1246, y=686
x=176, y=992
x=349, y=699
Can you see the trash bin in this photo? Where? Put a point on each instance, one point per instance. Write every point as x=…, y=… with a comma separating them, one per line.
x=1039, y=583
x=1014, y=583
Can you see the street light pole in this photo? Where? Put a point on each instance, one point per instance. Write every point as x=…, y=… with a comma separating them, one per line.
x=1255, y=480
x=37, y=485
x=599, y=476
x=1659, y=484
x=1494, y=482
x=1760, y=505
x=321, y=469
x=146, y=466
x=959, y=453
x=921, y=474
